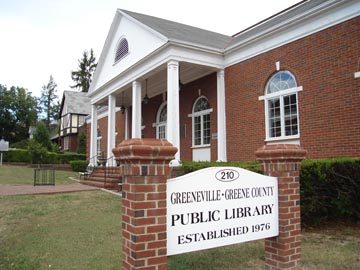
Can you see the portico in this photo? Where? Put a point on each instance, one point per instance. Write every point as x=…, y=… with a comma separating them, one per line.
x=166, y=70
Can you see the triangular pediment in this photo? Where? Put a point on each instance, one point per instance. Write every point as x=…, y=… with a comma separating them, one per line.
x=141, y=40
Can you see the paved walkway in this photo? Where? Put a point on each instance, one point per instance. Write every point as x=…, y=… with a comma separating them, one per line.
x=21, y=190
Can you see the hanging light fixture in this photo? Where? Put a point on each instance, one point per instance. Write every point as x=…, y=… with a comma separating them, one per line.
x=122, y=107
x=146, y=98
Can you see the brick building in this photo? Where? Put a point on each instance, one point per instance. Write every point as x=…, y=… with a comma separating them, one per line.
x=291, y=79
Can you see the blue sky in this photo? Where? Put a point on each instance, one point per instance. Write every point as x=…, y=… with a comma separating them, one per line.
x=40, y=38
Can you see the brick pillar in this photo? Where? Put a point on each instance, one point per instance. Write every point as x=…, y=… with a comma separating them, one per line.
x=145, y=169
x=284, y=161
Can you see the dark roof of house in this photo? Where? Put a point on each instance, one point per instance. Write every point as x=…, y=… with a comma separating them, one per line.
x=77, y=102
x=183, y=33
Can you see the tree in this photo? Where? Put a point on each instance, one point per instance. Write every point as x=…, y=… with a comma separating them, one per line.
x=18, y=111
x=49, y=102
x=41, y=135
x=81, y=148
x=83, y=76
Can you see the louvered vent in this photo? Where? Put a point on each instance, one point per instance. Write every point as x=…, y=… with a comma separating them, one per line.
x=122, y=49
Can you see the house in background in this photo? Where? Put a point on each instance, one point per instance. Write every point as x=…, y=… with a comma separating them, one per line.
x=75, y=106
x=290, y=79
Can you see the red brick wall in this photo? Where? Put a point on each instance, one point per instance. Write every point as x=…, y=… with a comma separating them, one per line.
x=329, y=105
x=102, y=124
x=73, y=141
x=188, y=94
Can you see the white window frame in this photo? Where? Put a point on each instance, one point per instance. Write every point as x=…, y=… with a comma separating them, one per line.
x=159, y=124
x=201, y=114
x=281, y=95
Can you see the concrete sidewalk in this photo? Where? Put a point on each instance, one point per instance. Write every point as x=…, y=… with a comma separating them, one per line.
x=22, y=190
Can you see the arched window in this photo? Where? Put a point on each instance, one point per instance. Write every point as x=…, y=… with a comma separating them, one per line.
x=161, y=120
x=281, y=106
x=201, y=122
x=122, y=49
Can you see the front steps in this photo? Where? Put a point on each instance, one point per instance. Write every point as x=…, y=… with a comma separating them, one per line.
x=111, y=179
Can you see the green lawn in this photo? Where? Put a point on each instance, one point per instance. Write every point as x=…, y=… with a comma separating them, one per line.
x=22, y=175
x=64, y=231
x=83, y=231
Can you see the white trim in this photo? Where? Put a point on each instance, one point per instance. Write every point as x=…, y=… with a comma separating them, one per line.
x=201, y=112
x=293, y=140
x=201, y=146
x=283, y=93
x=357, y=74
x=102, y=113
x=314, y=20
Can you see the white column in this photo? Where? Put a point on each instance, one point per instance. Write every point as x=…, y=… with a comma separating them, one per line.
x=126, y=123
x=111, y=127
x=221, y=116
x=136, y=110
x=173, y=119
x=93, y=134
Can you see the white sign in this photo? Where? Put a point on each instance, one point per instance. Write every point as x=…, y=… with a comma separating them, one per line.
x=220, y=206
x=4, y=146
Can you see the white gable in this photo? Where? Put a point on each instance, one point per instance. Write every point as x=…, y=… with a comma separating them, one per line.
x=142, y=41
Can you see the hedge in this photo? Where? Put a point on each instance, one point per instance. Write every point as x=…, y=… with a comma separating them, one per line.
x=190, y=166
x=17, y=155
x=79, y=165
x=330, y=190
x=22, y=155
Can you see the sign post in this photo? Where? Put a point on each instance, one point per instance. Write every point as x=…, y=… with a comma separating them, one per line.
x=220, y=206
x=4, y=147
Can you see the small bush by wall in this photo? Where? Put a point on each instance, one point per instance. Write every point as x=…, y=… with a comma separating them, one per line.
x=37, y=156
x=330, y=190
x=78, y=165
x=189, y=166
x=69, y=156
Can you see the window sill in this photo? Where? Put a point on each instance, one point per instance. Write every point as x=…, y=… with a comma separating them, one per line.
x=200, y=146
x=292, y=140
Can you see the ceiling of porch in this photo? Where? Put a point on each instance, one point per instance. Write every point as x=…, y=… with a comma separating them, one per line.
x=157, y=82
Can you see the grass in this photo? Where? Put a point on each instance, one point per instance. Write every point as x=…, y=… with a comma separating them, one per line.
x=21, y=175
x=63, y=231
x=333, y=248
x=83, y=231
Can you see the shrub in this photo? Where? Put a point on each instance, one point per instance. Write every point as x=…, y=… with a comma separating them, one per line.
x=78, y=165
x=42, y=136
x=81, y=148
x=17, y=155
x=21, y=144
x=37, y=152
x=330, y=190
x=69, y=156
